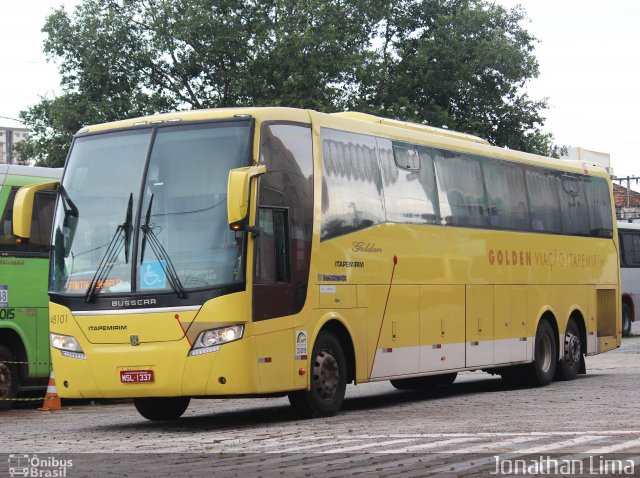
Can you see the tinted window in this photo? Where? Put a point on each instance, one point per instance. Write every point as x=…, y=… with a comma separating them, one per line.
x=573, y=206
x=273, y=263
x=351, y=183
x=631, y=249
x=599, y=201
x=461, y=189
x=410, y=194
x=543, y=190
x=423, y=185
x=43, y=207
x=506, y=195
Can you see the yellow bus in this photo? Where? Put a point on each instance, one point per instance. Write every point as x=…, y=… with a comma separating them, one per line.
x=276, y=251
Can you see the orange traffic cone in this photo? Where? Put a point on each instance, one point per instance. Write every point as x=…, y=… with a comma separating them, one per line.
x=51, y=399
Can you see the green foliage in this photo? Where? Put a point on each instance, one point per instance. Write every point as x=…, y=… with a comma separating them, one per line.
x=459, y=64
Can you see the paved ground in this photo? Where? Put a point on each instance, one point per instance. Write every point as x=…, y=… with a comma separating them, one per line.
x=455, y=431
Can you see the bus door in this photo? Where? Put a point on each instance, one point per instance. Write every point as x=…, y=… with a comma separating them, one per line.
x=283, y=244
x=285, y=221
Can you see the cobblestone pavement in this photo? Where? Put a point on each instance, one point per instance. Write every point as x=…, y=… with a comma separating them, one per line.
x=456, y=431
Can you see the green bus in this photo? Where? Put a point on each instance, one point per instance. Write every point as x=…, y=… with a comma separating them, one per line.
x=24, y=269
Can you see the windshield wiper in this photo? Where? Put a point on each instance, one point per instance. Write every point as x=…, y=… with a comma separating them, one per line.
x=145, y=227
x=119, y=241
x=161, y=253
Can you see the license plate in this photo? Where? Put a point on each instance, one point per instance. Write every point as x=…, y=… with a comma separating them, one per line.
x=136, y=376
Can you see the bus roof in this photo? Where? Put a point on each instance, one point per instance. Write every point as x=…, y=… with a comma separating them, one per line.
x=412, y=126
x=365, y=123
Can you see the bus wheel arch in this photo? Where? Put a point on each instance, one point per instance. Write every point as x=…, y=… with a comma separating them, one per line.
x=338, y=329
x=331, y=367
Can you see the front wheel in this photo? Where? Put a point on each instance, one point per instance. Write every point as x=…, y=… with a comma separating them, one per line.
x=328, y=380
x=569, y=366
x=543, y=368
x=9, y=378
x=626, y=320
x=161, y=408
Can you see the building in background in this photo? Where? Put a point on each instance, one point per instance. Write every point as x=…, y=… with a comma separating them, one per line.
x=627, y=203
x=9, y=137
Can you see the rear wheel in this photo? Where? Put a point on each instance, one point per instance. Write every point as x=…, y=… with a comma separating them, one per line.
x=543, y=368
x=161, y=408
x=328, y=379
x=425, y=383
x=626, y=319
x=9, y=378
x=569, y=366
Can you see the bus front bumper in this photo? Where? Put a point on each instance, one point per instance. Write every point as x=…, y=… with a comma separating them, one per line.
x=157, y=369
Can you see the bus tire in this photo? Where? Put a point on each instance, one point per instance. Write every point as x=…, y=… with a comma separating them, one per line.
x=543, y=368
x=626, y=320
x=328, y=380
x=161, y=408
x=9, y=378
x=425, y=383
x=569, y=366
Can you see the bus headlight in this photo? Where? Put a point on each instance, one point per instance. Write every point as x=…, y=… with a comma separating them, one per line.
x=68, y=345
x=211, y=340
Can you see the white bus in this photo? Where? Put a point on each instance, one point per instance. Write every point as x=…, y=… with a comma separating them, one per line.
x=629, y=273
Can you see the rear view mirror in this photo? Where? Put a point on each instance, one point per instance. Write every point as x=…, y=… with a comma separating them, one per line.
x=23, y=208
x=238, y=194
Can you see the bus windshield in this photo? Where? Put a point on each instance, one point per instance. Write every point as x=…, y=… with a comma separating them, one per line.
x=146, y=211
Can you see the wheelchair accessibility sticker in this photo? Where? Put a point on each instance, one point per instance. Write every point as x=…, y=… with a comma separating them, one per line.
x=153, y=275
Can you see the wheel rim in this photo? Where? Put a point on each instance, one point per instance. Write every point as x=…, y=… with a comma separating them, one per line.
x=326, y=374
x=5, y=380
x=571, y=348
x=544, y=353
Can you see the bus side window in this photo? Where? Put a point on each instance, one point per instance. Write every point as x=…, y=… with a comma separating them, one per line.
x=41, y=221
x=630, y=249
x=7, y=239
x=42, y=218
x=273, y=263
x=461, y=190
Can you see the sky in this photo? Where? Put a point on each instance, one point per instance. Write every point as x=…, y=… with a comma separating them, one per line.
x=588, y=51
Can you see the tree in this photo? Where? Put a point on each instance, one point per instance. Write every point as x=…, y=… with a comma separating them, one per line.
x=460, y=64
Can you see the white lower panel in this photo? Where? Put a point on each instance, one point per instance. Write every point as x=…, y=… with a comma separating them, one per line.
x=397, y=361
x=511, y=350
x=479, y=353
x=441, y=357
